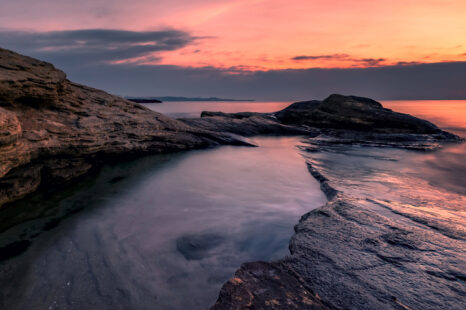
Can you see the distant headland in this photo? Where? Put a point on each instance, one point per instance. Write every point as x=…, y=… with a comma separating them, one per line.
x=176, y=98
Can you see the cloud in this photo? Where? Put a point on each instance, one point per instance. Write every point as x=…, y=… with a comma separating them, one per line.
x=370, y=62
x=316, y=57
x=367, y=62
x=99, y=58
x=407, y=63
x=91, y=46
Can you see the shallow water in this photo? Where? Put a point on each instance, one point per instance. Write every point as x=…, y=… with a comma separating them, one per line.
x=163, y=231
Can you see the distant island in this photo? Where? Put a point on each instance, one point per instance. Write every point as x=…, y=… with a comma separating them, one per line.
x=175, y=98
x=141, y=100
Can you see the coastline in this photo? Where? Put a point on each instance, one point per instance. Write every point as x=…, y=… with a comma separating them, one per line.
x=58, y=132
x=359, y=252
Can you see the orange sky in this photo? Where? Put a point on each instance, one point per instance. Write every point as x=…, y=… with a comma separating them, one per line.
x=260, y=34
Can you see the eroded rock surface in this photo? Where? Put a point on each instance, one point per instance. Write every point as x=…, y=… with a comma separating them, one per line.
x=53, y=130
x=354, y=113
x=403, y=250
x=246, y=124
x=336, y=120
x=283, y=289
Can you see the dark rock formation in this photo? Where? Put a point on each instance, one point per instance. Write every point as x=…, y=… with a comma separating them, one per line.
x=245, y=124
x=337, y=119
x=196, y=247
x=143, y=100
x=262, y=285
x=53, y=130
x=354, y=113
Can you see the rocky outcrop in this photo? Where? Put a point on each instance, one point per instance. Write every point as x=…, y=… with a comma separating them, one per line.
x=53, y=130
x=359, y=253
x=245, y=124
x=337, y=119
x=353, y=113
x=283, y=289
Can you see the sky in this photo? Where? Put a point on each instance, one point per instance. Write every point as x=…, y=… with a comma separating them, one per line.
x=258, y=49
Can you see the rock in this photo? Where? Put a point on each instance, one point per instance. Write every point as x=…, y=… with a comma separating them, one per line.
x=142, y=100
x=357, y=253
x=354, y=113
x=262, y=285
x=337, y=119
x=53, y=130
x=198, y=246
x=361, y=253
x=245, y=124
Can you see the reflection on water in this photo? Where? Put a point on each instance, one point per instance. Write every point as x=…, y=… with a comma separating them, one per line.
x=449, y=114
x=164, y=231
x=427, y=178
x=445, y=168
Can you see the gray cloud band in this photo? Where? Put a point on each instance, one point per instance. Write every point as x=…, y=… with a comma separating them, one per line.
x=94, y=45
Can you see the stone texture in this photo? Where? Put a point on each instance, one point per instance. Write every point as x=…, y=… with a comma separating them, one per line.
x=354, y=113
x=245, y=124
x=337, y=119
x=262, y=285
x=54, y=130
x=356, y=253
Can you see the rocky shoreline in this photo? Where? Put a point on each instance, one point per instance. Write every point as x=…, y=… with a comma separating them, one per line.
x=358, y=253
x=53, y=130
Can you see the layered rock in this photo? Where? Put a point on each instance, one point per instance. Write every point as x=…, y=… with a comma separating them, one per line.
x=53, y=130
x=337, y=119
x=245, y=124
x=263, y=285
x=360, y=253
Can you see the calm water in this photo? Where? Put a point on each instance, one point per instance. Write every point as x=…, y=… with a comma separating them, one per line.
x=194, y=109
x=164, y=232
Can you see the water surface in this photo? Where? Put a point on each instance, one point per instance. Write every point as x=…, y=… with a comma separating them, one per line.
x=184, y=109
x=162, y=232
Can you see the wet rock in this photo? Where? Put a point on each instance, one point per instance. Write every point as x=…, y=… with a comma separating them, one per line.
x=13, y=249
x=282, y=289
x=357, y=253
x=196, y=247
x=354, y=113
x=336, y=120
x=53, y=130
x=245, y=124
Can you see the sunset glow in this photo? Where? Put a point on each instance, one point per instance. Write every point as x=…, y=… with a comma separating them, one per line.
x=260, y=35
